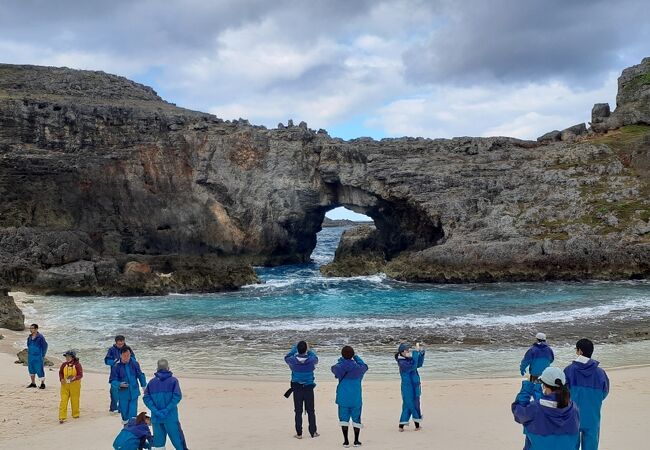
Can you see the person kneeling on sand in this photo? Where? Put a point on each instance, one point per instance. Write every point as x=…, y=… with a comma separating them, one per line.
x=589, y=386
x=36, y=350
x=408, y=363
x=162, y=395
x=551, y=422
x=538, y=357
x=302, y=360
x=135, y=435
x=125, y=376
x=70, y=374
x=349, y=370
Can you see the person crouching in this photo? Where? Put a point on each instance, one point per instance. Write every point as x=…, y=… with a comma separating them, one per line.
x=135, y=435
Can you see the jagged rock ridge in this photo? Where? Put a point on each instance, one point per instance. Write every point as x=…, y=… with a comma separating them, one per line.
x=96, y=172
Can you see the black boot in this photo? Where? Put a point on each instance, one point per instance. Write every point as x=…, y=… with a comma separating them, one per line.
x=31, y=385
x=346, y=443
x=357, y=442
x=42, y=386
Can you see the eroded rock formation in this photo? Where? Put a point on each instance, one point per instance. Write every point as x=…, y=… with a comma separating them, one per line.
x=97, y=171
x=11, y=316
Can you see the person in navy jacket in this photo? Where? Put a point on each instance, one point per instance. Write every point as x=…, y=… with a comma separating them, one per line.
x=113, y=357
x=538, y=357
x=589, y=386
x=349, y=370
x=125, y=376
x=36, y=351
x=135, y=435
x=302, y=361
x=162, y=396
x=409, y=363
x=551, y=422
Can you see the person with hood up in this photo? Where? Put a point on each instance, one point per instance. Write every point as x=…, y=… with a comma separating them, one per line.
x=70, y=375
x=538, y=357
x=113, y=357
x=36, y=351
x=409, y=362
x=125, y=376
x=551, y=422
x=589, y=386
x=135, y=435
x=162, y=396
x=349, y=370
x=302, y=361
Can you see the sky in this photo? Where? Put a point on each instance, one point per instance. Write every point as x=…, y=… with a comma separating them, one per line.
x=436, y=68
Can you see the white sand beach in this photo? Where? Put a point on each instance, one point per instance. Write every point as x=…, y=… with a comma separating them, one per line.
x=252, y=414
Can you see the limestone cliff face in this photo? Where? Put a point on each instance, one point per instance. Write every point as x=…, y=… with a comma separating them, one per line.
x=97, y=171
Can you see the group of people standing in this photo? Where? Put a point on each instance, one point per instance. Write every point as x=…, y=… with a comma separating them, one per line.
x=161, y=395
x=349, y=371
x=560, y=409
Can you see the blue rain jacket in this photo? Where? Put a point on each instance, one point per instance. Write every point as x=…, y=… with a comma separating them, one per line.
x=349, y=372
x=128, y=373
x=408, y=370
x=36, y=348
x=113, y=355
x=546, y=427
x=162, y=396
x=539, y=356
x=133, y=436
x=589, y=386
x=302, y=366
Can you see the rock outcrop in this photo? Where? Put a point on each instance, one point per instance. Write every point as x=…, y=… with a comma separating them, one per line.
x=11, y=316
x=359, y=253
x=97, y=172
x=23, y=358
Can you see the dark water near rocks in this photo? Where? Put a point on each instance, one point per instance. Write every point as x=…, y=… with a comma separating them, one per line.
x=470, y=330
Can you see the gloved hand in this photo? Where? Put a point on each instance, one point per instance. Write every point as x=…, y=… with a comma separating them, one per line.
x=523, y=372
x=162, y=413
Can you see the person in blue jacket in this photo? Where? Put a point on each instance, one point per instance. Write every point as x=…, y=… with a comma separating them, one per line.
x=538, y=357
x=551, y=422
x=589, y=386
x=349, y=370
x=409, y=362
x=113, y=357
x=36, y=351
x=162, y=396
x=125, y=376
x=135, y=435
x=302, y=361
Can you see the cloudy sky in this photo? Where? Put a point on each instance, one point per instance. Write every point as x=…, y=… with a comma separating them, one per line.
x=356, y=68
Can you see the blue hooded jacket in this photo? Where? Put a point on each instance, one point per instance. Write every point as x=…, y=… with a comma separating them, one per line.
x=589, y=386
x=162, y=395
x=37, y=347
x=408, y=370
x=132, y=435
x=539, y=356
x=349, y=373
x=128, y=373
x=113, y=355
x=302, y=366
x=546, y=427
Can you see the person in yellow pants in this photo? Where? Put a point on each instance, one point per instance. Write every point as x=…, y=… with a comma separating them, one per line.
x=70, y=375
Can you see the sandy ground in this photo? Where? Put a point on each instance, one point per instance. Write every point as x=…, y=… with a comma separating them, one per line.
x=253, y=414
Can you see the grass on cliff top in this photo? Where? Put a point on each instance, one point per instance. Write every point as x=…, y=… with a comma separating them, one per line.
x=638, y=81
x=624, y=137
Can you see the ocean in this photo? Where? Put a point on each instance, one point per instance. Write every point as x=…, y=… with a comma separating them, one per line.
x=469, y=330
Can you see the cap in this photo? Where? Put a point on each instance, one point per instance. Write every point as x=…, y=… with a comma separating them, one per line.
x=403, y=347
x=540, y=336
x=553, y=376
x=70, y=353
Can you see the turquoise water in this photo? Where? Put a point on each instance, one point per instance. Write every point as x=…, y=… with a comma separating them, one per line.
x=470, y=330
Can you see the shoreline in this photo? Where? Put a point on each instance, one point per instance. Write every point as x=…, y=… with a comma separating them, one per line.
x=251, y=413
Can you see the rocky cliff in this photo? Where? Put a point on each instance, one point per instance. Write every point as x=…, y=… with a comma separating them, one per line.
x=106, y=188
